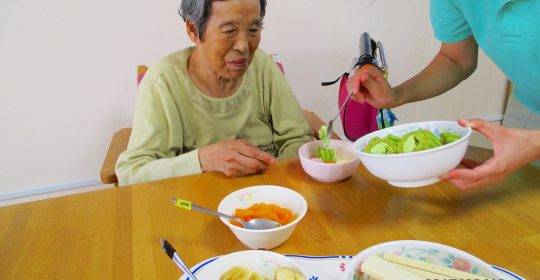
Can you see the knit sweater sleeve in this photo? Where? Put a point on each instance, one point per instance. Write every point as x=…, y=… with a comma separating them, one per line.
x=155, y=145
x=290, y=128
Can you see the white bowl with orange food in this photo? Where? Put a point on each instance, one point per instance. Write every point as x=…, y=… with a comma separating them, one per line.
x=284, y=198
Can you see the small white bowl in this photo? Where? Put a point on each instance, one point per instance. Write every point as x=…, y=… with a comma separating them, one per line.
x=430, y=252
x=420, y=168
x=329, y=172
x=262, y=262
x=267, y=238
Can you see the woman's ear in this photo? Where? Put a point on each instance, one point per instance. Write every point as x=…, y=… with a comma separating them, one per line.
x=192, y=32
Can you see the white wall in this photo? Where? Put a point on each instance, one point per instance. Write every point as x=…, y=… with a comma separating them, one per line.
x=67, y=71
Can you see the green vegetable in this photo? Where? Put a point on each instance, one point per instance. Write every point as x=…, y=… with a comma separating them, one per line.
x=411, y=142
x=448, y=137
x=388, y=145
x=325, y=153
x=323, y=135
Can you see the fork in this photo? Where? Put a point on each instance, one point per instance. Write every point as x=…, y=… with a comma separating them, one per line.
x=331, y=122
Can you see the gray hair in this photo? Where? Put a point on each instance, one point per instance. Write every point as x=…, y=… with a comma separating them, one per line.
x=198, y=12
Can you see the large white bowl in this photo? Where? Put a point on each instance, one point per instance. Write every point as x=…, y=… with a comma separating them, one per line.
x=262, y=262
x=430, y=252
x=267, y=238
x=329, y=172
x=420, y=168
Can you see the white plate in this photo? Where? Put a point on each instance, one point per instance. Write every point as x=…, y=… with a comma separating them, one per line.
x=431, y=252
x=333, y=267
x=261, y=262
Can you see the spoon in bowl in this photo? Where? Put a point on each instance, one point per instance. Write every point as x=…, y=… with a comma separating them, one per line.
x=257, y=224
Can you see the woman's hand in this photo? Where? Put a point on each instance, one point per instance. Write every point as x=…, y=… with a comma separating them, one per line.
x=512, y=149
x=234, y=158
x=368, y=84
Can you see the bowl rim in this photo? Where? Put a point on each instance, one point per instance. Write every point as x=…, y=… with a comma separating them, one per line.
x=409, y=154
x=370, y=251
x=354, y=159
x=293, y=223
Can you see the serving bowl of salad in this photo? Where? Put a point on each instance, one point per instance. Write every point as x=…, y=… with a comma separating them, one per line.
x=413, y=154
x=332, y=161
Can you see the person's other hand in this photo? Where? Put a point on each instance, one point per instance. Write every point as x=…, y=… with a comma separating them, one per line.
x=512, y=149
x=368, y=84
x=234, y=158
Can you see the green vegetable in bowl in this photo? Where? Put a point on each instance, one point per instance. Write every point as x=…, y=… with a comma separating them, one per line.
x=325, y=153
x=418, y=140
x=387, y=145
x=448, y=137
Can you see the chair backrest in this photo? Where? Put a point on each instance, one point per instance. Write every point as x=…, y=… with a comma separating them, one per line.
x=141, y=69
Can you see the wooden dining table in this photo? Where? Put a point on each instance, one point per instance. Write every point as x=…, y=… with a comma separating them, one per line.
x=115, y=233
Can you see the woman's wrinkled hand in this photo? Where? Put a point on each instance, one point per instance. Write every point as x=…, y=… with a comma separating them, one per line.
x=234, y=158
x=512, y=149
x=368, y=84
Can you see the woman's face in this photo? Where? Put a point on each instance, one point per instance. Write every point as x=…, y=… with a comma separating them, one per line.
x=232, y=35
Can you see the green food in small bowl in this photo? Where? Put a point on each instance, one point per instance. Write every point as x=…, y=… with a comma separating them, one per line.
x=325, y=153
x=413, y=141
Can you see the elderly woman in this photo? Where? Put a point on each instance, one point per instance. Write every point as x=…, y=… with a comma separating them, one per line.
x=222, y=105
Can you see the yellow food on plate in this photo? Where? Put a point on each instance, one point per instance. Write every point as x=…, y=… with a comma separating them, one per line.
x=240, y=273
x=285, y=273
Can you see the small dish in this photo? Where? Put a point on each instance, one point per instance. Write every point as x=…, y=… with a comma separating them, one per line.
x=329, y=172
x=246, y=197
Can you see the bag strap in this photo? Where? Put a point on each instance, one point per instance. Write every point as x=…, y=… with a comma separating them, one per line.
x=346, y=74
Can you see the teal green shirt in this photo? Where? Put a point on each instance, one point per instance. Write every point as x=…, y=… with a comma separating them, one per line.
x=508, y=31
x=173, y=119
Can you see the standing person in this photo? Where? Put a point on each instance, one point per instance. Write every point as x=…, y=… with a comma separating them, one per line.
x=222, y=105
x=508, y=32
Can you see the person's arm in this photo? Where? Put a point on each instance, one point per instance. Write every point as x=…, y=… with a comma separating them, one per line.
x=512, y=149
x=453, y=63
x=290, y=128
x=155, y=141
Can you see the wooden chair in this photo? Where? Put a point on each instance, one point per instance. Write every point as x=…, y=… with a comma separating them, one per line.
x=120, y=139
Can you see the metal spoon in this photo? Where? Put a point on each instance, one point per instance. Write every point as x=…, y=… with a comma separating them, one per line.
x=251, y=224
x=331, y=122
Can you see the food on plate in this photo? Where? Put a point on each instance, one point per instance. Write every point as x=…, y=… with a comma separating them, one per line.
x=266, y=211
x=413, y=141
x=285, y=273
x=240, y=273
x=325, y=153
x=391, y=266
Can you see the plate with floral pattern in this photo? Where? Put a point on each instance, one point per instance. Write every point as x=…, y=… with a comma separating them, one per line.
x=430, y=252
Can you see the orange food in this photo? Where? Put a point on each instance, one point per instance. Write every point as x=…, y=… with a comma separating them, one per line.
x=265, y=211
